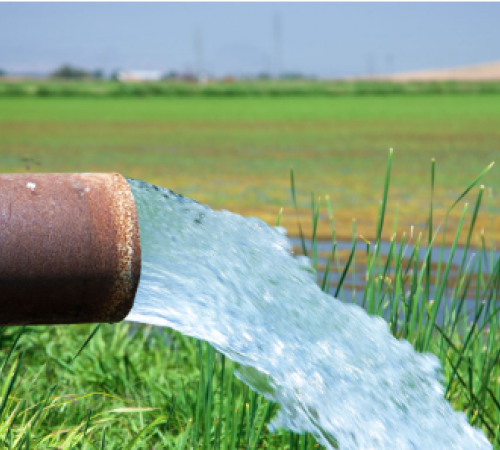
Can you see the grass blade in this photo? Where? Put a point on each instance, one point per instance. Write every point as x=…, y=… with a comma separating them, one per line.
x=384, y=200
x=346, y=269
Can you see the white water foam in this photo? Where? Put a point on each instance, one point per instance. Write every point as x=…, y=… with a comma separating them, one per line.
x=336, y=372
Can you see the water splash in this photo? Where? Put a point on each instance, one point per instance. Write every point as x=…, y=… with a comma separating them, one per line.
x=336, y=372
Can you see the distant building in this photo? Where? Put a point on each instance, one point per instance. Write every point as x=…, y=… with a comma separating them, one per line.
x=139, y=75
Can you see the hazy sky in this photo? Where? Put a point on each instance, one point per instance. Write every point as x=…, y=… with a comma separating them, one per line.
x=323, y=39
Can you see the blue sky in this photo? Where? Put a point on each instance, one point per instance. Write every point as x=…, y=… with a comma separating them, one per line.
x=322, y=39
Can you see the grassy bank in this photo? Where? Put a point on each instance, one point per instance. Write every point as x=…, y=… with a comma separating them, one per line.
x=235, y=153
x=144, y=388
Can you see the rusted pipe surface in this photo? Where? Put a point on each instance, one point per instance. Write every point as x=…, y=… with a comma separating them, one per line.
x=69, y=248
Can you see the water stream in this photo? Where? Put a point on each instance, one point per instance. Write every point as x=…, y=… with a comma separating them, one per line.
x=336, y=372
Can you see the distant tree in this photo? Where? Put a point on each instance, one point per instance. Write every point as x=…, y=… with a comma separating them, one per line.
x=188, y=77
x=74, y=73
x=294, y=76
x=263, y=76
x=98, y=74
x=2, y=73
x=172, y=75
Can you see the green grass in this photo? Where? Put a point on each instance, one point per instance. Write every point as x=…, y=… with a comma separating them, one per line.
x=422, y=108
x=235, y=153
x=271, y=88
x=148, y=388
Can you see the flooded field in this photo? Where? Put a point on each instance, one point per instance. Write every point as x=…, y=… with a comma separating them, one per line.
x=236, y=153
x=354, y=282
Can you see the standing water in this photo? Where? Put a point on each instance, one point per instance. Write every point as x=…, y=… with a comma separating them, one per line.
x=336, y=372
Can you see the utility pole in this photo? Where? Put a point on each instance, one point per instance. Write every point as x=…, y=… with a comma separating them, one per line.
x=389, y=60
x=370, y=65
x=277, y=45
x=198, y=54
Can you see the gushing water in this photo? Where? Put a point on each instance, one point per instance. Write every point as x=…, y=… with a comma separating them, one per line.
x=336, y=372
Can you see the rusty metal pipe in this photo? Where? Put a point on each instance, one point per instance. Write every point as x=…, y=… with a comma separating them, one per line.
x=69, y=248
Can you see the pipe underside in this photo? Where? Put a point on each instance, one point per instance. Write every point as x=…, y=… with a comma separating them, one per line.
x=69, y=248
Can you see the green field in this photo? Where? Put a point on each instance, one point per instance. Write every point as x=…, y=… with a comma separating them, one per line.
x=236, y=153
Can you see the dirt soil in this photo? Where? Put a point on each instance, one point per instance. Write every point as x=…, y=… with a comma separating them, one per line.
x=479, y=72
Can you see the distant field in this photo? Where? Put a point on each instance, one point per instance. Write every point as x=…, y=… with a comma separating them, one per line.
x=236, y=153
